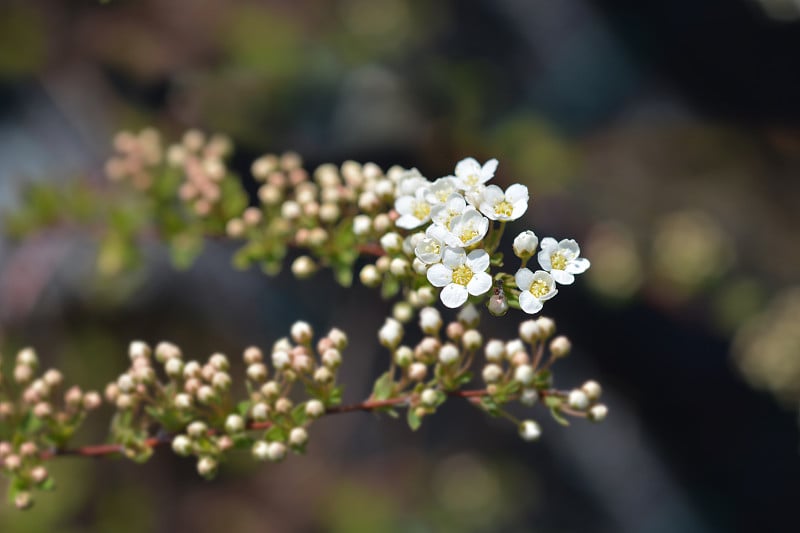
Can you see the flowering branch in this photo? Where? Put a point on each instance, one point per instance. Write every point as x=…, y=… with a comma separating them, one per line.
x=430, y=240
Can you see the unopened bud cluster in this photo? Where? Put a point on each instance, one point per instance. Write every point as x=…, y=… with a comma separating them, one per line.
x=38, y=413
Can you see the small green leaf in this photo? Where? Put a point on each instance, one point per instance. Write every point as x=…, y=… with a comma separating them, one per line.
x=384, y=387
x=558, y=417
x=414, y=422
x=553, y=402
x=299, y=416
x=490, y=406
x=275, y=433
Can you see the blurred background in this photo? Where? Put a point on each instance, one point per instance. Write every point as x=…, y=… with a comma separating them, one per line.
x=664, y=136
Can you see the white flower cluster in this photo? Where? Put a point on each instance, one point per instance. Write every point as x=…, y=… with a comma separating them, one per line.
x=456, y=213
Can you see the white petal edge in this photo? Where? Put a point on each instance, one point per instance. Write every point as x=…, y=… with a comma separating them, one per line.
x=479, y=284
x=524, y=278
x=478, y=260
x=454, y=295
x=439, y=275
x=529, y=303
x=562, y=277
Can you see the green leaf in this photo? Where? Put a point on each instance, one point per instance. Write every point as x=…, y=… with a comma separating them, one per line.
x=553, y=402
x=490, y=406
x=276, y=433
x=335, y=396
x=243, y=407
x=543, y=379
x=299, y=416
x=497, y=259
x=558, y=417
x=390, y=286
x=414, y=422
x=384, y=387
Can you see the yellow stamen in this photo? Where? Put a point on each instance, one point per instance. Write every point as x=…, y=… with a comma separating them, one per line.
x=558, y=261
x=503, y=209
x=467, y=235
x=539, y=288
x=462, y=275
x=422, y=210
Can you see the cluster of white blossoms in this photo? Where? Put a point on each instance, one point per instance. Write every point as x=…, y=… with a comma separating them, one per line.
x=459, y=220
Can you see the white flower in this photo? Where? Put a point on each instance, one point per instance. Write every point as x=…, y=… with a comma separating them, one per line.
x=474, y=196
x=562, y=259
x=440, y=190
x=536, y=288
x=414, y=210
x=509, y=205
x=409, y=181
x=444, y=213
x=467, y=228
x=429, y=249
x=460, y=275
x=525, y=244
x=470, y=173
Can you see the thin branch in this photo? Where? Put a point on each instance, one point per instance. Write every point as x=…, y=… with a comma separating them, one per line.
x=102, y=450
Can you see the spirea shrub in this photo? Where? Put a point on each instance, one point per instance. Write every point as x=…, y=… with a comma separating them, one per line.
x=429, y=243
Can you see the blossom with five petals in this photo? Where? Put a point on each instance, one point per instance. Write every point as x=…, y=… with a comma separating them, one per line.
x=537, y=287
x=460, y=275
x=562, y=259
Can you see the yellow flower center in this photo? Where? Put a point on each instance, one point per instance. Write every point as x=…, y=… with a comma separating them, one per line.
x=539, y=288
x=558, y=261
x=462, y=275
x=503, y=209
x=468, y=234
x=422, y=210
x=434, y=248
x=443, y=195
x=472, y=179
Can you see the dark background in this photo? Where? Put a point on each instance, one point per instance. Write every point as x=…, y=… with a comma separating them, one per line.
x=662, y=135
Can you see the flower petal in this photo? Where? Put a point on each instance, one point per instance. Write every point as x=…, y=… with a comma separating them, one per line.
x=478, y=260
x=549, y=243
x=408, y=222
x=578, y=266
x=529, y=303
x=488, y=170
x=454, y=295
x=516, y=193
x=563, y=277
x=439, y=275
x=404, y=204
x=571, y=245
x=524, y=278
x=479, y=284
x=544, y=258
x=467, y=166
x=453, y=257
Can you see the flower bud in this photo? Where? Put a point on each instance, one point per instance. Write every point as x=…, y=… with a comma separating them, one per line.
x=491, y=373
x=448, y=354
x=472, y=339
x=403, y=356
x=42, y=410
x=314, y=409
x=560, y=346
x=27, y=357
x=39, y=474
x=399, y=267
x=206, y=394
x=382, y=223
x=53, y=378
x=454, y=330
x=469, y=316
x=530, y=430
x=338, y=337
x=362, y=224
x=529, y=331
x=28, y=449
x=197, y=429
x=495, y=350
x=497, y=304
x=182, y=401
x=298, y=437
x=370, y=276
x=259, y=411
x=252, y=355
x=283, y=405
x=234, y=424
x=276, y=451
x=332, y=358
x=592, y=390
x=528, y=397
x=419, y=267
x=525, y=244
x=174, y=368
x=270, y=390
x=73, y=396
x=392, y=243
x=23, y=373
x=598, y=412
x=513, y=347
x=166, y=351
x=425, y=295
x=391, y=333
x=303, y=267
x=323, y=375
x=219, y=362
x=257, y=372
x=280, y=360
x=417, y=371
x=428, y=397
x=182, y=445
x=577, y=399
x=23, y=500
x=430, y=321
x=260, y=450
x=221, y=381
x=91, y=400
x=12, y=462
x=546, y=326
x=235, y=228
x=206, y=466
x=524, y=374
x=138, y=349
x=402, y=312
